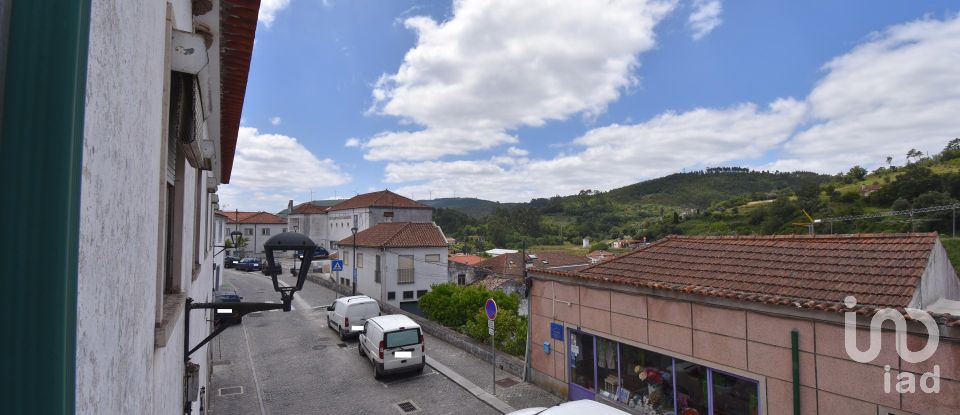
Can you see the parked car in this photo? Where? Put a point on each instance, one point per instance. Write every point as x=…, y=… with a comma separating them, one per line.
x=249, y=264
x=230, y=261
x=224, y=296
x=393, y=343
x=319, y=253
x=349, y=312
x=584, y=406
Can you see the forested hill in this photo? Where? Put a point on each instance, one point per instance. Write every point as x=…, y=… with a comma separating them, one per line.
x=472, y=207
x=700, y=189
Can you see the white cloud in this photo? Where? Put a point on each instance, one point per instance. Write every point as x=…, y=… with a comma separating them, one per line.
x=269, y=9
x=705, y=17
x=497, y=66
x=268, y=169
x=275, y=120
x=352, y=142
x=615, y=155
x=899, y=90
x=517, y=152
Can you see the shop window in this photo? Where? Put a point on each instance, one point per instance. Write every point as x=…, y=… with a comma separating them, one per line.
x=607, y=374
x=733, y=395
x=647, y=380
x=691, y=388
x=581, y=360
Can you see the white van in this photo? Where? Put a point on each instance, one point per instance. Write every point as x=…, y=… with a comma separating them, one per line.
x=393, y=343
x=349, y=312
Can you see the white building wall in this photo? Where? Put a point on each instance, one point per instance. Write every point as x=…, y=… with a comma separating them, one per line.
x=255, y=242
x=118, y=368
x=938, y=281
x=426, y=274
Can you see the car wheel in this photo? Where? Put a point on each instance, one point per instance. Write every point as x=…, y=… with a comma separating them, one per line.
x=328, y=321
x=360, y=348
x=420, y=370
x=343, y=336
x=377, y=370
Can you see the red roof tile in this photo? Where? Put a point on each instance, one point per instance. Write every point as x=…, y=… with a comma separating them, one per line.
x=238, y=27
x=308, y=209
x=399, y=235
x=259, y=218
x=511, y=264
x=880, y=270
x=384, y=199
x=466, y=259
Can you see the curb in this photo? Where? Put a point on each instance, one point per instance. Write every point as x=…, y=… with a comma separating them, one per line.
x=477, y=391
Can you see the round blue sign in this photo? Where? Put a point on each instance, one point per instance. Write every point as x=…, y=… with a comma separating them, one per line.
x=491, y=308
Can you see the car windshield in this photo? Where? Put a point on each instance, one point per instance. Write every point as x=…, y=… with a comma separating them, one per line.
x=403, y=338
x=249, y=260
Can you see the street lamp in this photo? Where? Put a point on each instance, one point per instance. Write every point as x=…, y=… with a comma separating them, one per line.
x=353, y=231
x=234, y=238
x=233, y=312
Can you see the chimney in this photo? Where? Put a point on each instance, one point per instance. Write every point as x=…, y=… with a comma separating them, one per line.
x=290, y=206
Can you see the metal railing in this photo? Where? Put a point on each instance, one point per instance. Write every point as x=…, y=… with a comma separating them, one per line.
x=405, y=276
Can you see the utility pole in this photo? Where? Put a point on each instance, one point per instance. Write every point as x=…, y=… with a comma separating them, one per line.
x=354, y=231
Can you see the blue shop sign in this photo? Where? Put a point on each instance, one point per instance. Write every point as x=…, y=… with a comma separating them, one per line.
x=556, y=331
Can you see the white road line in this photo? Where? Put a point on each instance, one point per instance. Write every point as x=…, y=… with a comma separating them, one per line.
x=256, y=381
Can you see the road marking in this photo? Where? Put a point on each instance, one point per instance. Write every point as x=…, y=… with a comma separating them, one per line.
x=298, y=300
x=256, y=381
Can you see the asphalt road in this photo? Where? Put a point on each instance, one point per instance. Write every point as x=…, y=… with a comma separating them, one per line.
x=291, y=363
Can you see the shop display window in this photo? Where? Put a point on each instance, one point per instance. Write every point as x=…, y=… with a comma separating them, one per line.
x=692, y=392
x=581, y=360
x=647, y=386
x=608, y=375
x=733, y=395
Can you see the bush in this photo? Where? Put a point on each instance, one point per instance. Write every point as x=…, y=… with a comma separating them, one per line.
x=461, y=308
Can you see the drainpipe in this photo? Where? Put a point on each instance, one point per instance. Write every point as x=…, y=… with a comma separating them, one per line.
x=795, y=357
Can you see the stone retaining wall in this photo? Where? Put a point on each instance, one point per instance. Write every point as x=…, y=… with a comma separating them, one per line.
x=505, y=362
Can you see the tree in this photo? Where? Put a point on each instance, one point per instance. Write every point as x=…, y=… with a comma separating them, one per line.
x=913, y=153
x=951, y=151
x=857, y=173
x=889, y=161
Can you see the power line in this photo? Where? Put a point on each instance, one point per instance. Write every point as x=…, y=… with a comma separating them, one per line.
x=906, y=212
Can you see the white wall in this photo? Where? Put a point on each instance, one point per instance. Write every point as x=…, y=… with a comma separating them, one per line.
x=425, y=273
x=119, y=371
x=255, y=242
x=938, y=281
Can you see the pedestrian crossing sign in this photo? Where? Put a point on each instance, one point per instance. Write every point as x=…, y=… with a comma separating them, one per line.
x=336, y=265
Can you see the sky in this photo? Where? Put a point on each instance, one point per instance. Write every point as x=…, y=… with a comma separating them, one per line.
x=511, y=100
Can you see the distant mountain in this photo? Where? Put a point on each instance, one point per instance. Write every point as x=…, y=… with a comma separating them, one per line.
x=702, y=188
x=473, y=207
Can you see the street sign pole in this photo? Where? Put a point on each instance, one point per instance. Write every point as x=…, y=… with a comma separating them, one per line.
x=491, y=308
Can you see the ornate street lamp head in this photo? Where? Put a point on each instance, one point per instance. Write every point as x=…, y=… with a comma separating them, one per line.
x=288, y=241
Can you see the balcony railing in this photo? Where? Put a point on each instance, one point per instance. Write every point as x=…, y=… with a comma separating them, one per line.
x=405, y=276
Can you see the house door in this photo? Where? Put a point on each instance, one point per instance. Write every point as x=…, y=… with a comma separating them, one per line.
x=581, y=361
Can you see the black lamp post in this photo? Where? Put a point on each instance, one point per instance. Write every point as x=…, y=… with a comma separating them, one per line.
x=234, y=238
x=232, y=313
x=354, y=231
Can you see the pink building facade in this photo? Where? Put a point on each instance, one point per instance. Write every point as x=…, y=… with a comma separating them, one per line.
x=652, y=350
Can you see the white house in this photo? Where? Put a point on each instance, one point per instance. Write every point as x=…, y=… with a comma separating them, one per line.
x=256, y=227
x=327, y=225
x=119, y=121
x=397, y=263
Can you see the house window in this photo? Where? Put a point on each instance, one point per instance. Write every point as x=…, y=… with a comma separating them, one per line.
x=265, y=231
x=196, y=223
x=388, y=217
x=248, y=231
x=391, y=295
x=284, y=230
x=359, y=260
x=376, y=269
x=431, y=258
x=420, y=293
x=405, y=269
x=408, y=295
x=462, y=279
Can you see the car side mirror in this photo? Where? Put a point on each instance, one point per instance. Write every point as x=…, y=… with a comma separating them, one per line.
x=329, y=308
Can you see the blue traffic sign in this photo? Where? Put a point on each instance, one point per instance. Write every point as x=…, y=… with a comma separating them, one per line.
x=336, y=265
x=491, y=308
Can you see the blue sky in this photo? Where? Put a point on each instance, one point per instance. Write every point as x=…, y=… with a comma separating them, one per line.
x=510, y=100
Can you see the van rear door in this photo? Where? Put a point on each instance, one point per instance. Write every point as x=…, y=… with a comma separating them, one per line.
x=402, y=348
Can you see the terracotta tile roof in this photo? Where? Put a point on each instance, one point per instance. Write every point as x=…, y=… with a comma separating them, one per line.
x=309, y=209
x=384, y=198
x=399, y=235
x=506, y=265
x=818, y=272
x=466, y=259
x=259, y=218
x=238, y=27
x=557, y=259
x=601, y=254
x=220, y=213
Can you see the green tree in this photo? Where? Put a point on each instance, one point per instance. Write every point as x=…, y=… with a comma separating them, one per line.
x=857, y=173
